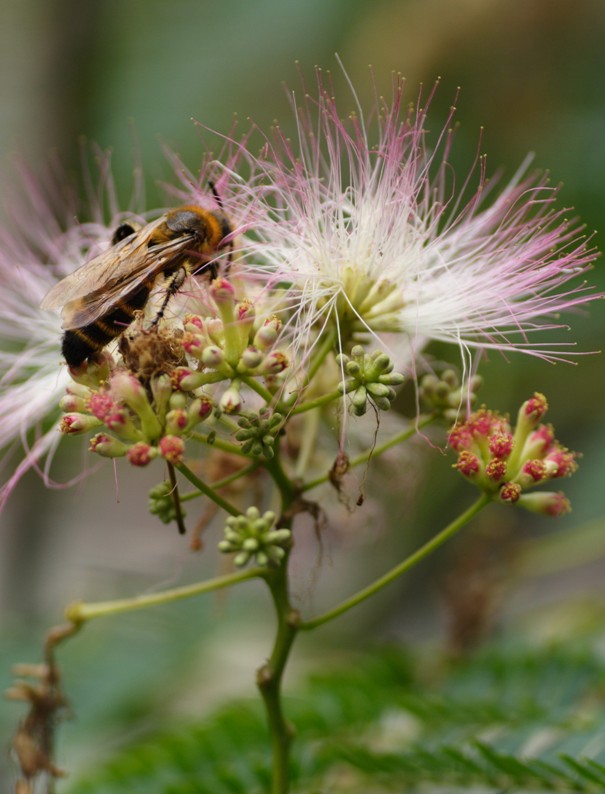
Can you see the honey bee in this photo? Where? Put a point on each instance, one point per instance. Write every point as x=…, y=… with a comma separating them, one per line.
x=98, y=301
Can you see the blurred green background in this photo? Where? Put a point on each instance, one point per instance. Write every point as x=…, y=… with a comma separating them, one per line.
x=131, y=74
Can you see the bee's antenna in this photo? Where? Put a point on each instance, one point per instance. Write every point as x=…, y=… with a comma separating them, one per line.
x=216, y=194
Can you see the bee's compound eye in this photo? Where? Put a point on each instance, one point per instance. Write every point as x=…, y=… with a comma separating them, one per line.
x=123, y=231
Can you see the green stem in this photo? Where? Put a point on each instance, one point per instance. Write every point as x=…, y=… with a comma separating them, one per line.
x=280, y=478
x=376, y=451
x=269, y=676
x=224, y=482
x=218, y=443
x=208, y=490
x=318, y=402
x=80, y=612
x=269, y=679
x=403, y=566
x=257, y=387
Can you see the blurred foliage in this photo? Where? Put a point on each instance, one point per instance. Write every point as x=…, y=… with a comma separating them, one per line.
x=510, y=717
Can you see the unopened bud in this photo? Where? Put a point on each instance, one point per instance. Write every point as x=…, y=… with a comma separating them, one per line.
x=172, y=449
x=74, y=424
x=548, y=503
x=141, y=454
x=107, y=446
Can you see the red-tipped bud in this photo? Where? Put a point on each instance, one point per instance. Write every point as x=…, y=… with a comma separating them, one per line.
x=510, y=492
x=74, y=424
x=501, y=444
x=244, y=311
x=200, y=409
x=564, y=460
x=193, y=344
x=535, y=407
x=274, y=363
x=172, y=449
x=222, y=290
x=72, y=403
x=547, y=503
x=101, y=405
x=185, y=379
x=107, y=446
x=193, y=323
x=467, y=464
x=141, y=454
x=535, y=470
x=267, y=334
x=176, y=421
x=460, y=438
x=496, y=470
x=231, y=401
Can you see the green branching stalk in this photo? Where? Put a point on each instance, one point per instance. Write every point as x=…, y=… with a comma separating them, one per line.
x=208, y=491
x=403, y=566
x=212, y=440
x=318, y=402
x=81, y=612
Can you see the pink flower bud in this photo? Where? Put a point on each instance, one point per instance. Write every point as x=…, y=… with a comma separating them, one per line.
x=535, y=407
x=186, y=379
x=510, y=492
x=564, y=460
x=460, y=438
x=222, y=291
x=141, y=454
x=468, y=464
x=70, y=403
x=107, y=446
x=267, y=334
x=193, y=323
x=200, y=409
x=176, y=421
x=193, y=344
x=496, y=470
x=172, y=449
x=101, y=404
x=535, y=470
x=274, y=363
x=244, y=311
x=501, y=444
x=548, y=503
x=231, y=401
x=74, y=424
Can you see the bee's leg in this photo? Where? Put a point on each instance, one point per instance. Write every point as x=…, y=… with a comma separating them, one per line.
x=176, y=282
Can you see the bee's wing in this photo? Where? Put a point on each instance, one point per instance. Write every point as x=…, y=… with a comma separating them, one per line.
x=114, y=263
x=94, y=289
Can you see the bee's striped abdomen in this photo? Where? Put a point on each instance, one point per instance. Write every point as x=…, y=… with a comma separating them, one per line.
x=80, y=343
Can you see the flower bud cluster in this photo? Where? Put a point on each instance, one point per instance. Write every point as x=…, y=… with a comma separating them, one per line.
x=229, y=346
x=252, y=536
x=445, y=394
x=258, y=432
x=369, y=377
x=506, y=463
x=161, y=503
x=137, y=422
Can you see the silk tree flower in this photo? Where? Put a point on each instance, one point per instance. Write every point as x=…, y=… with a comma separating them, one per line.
x=368, y=226
x=41, y=241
